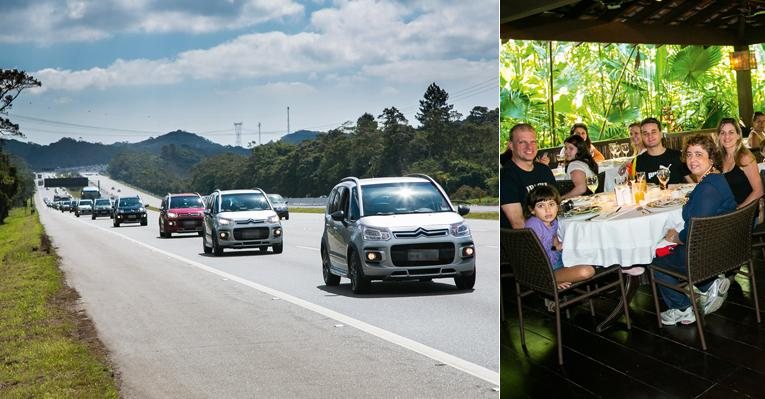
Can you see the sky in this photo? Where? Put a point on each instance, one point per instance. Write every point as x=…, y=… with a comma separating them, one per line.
x=127, y=70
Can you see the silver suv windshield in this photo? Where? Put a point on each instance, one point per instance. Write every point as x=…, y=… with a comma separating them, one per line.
x=399, y=198
x=276, y=198
x=243, y=202
x=86, y=202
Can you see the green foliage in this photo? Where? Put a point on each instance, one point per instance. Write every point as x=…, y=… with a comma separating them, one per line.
x=608, y=86
x=461, y=152
x=12, y=83
x=16, y=183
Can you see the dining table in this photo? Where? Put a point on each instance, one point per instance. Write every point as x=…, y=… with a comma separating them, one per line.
x=604, y=233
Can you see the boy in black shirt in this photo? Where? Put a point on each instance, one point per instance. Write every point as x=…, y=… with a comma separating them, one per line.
x=657, y=156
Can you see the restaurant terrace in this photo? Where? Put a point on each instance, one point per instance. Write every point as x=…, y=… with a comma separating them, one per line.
x=604, y=350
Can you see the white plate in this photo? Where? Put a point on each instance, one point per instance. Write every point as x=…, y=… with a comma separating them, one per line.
x=665, y=205
x=592, y=211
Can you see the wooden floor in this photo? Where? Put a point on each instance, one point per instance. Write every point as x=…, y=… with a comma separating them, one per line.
x=645, y=362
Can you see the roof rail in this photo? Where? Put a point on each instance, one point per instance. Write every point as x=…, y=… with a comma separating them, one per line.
x=351, y=178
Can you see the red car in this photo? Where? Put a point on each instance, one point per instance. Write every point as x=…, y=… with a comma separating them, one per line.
x=181, y=213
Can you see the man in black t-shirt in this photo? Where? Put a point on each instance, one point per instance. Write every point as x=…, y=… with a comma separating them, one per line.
x=519, y=175
x=657, y=156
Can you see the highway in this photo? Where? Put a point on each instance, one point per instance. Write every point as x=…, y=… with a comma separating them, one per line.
x=179, y=323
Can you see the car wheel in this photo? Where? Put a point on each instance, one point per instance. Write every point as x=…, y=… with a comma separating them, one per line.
x=116, y=223
x=465, y=281
x=330, y=279
x=93, y=216
x=359, y=283
x=205, y=248
x=216, y=248
x=278, y=248
x=77, y=214
x=144, y=222
x=286, y=217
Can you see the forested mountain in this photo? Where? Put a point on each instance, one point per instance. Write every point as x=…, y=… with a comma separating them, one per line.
x=68, y=152
x=461, y=153
x=299, y=136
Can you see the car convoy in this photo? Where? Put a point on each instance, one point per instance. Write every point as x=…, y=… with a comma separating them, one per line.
x=390, y=228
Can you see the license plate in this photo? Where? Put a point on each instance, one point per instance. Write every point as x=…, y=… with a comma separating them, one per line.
x=131, y=216
x=422, y=254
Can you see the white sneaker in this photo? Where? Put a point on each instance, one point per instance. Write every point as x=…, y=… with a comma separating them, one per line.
x=671, y=317
x=715, y=295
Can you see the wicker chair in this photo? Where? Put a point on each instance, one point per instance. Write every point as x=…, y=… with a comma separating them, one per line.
x=533, y=273
x=715, y=245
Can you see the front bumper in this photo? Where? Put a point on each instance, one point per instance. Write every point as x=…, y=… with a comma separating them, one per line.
x=131, y=218
x=250, y=236
x=400, y=259
x=184, y=225
x=102, y=212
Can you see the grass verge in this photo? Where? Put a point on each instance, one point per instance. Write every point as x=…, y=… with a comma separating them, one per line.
x=48, y=347
x=471, y=215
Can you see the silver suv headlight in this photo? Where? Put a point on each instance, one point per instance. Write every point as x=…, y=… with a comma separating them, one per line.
x=224, y=221
x=273, y=219
x=375, y=233
x=459, y=230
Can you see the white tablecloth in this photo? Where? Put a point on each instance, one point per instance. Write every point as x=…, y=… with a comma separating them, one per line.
x=629, y=238
x=610, y=166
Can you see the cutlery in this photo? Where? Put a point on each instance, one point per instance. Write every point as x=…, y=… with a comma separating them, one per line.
x=614, y=212
x=592, y=217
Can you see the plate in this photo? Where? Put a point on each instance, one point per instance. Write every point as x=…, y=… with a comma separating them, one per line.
x=666, y=203
x=582, y=212
x=581, y=201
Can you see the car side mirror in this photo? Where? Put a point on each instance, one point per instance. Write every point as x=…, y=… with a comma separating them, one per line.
x=208, y=212
x=338, y=216
x=145, y=205
x=463, y=210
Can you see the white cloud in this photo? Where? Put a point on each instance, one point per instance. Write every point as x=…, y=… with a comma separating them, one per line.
x=52, y=21
x=357, y=41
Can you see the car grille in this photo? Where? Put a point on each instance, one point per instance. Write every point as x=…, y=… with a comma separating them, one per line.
x=248, y=221
x=189, y=214
x=251, y=233
x=191, y=224
x=420, y=232
x=422, y=254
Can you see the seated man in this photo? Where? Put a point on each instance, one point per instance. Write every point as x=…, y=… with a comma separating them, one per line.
x=656, y=156
x=519, y=175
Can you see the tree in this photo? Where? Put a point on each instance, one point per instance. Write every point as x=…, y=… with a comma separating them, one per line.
x=434, y=111
x=12, y=83
x=366, y=124
x=391, y=117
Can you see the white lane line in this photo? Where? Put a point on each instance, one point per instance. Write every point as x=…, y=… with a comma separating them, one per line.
x=471, y=368
x=309, y=248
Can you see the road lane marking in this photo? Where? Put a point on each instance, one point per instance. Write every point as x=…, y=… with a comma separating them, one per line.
x=309, y=248
x=468, y=367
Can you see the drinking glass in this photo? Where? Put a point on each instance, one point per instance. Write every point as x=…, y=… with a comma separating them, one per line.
x=592, y=183
x=561, y=159
x=625, y=148
x=613, y=149
x=663, y=176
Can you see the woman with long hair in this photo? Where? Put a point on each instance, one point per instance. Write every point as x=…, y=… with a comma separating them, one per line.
x=738, y=163
x=579, y=165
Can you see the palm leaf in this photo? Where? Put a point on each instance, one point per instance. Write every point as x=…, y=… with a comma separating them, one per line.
x=692, y=63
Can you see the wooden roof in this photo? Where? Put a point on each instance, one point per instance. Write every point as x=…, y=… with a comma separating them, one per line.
x=702, y=22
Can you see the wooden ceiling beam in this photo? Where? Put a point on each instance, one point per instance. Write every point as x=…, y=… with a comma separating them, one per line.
x=519, y=9
x=681, y=9
x=618, y=32
x=708, y=12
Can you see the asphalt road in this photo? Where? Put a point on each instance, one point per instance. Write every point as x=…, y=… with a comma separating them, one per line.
x=180, y=323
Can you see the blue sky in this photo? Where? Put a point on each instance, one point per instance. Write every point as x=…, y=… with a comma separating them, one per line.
x=126, y=70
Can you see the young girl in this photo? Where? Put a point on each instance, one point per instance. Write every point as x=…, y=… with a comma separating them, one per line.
x=543, y=203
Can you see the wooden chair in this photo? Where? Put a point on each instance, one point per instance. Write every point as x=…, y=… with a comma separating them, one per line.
x=533, y=273
x=715, y=245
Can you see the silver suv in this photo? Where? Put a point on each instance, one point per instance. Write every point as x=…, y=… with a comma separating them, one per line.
x=395, y=228
x=240, y=219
